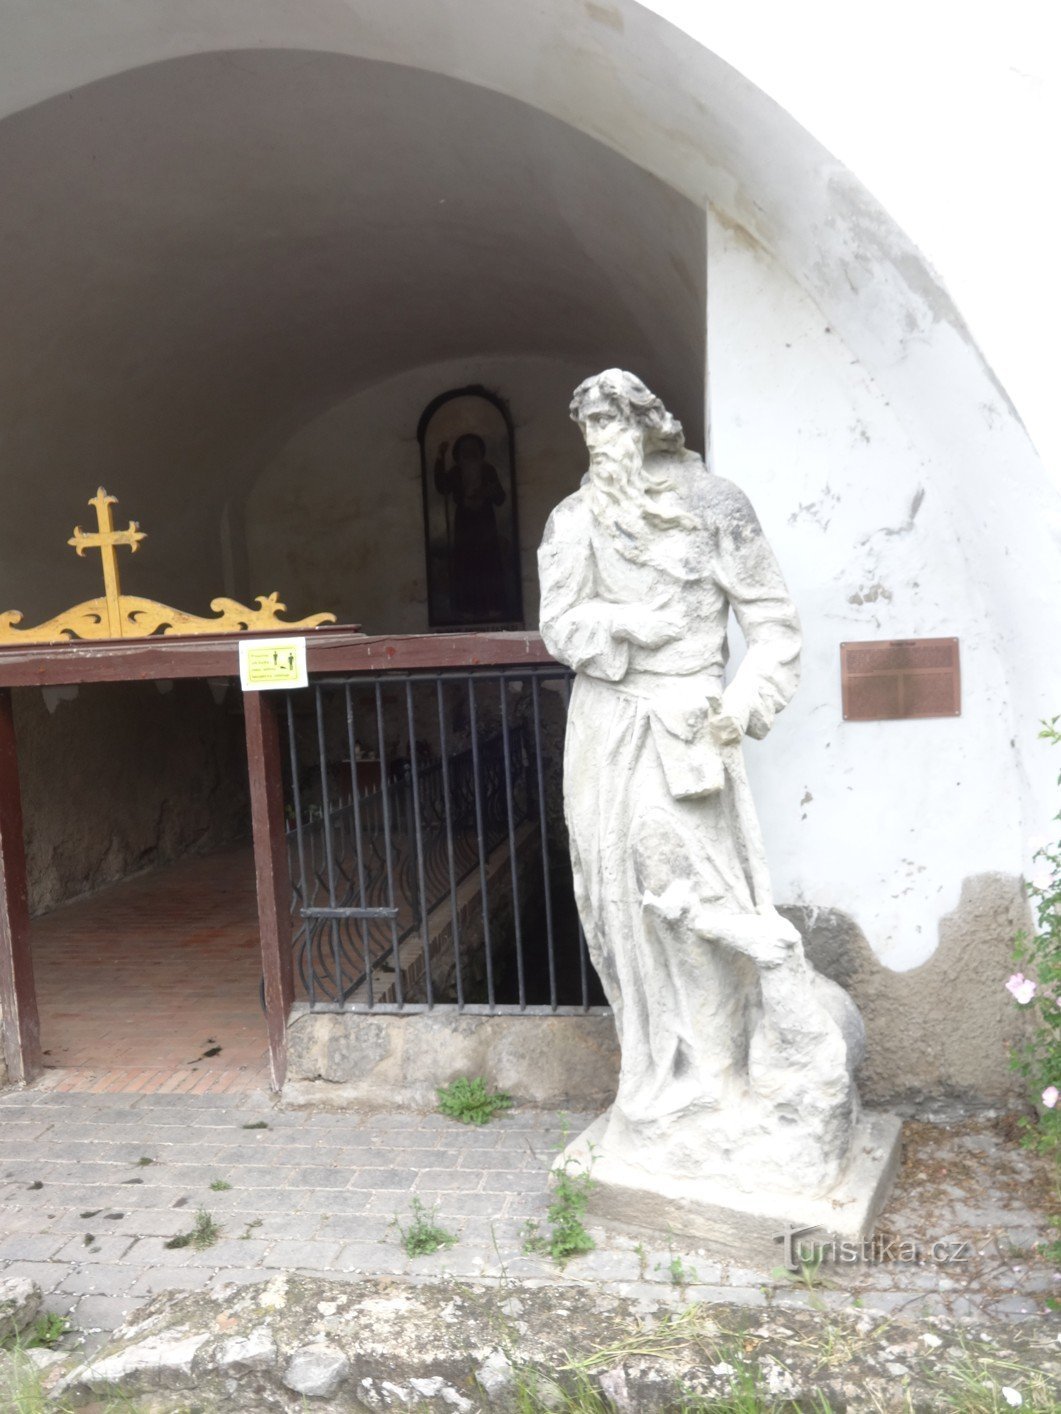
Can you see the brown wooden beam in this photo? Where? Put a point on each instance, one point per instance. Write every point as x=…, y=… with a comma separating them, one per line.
x=338, y=649
x=271, y=870
x=18, y=995
x=424, y=651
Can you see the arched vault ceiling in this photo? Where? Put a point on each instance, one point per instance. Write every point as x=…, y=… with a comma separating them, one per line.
x=202, y=254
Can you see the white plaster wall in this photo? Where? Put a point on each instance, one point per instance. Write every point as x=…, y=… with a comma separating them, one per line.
x=882, y=820
x=950, y=116
x=337, y=515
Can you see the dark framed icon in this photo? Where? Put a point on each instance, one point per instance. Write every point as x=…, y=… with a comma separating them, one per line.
x=471, y=527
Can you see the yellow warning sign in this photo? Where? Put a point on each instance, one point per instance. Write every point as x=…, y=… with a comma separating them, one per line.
x=272, y=662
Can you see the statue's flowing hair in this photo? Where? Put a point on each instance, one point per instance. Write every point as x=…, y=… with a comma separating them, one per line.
x=663, y=432
x=625, y=488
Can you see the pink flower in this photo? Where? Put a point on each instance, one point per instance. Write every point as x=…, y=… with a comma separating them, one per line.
x=1021, y=987
x=1050, y=1096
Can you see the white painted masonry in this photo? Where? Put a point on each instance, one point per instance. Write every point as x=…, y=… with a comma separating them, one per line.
x=882, y=820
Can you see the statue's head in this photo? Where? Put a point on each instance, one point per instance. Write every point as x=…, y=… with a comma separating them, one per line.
x=625, y=426
x=469, y=447
x=614, y=402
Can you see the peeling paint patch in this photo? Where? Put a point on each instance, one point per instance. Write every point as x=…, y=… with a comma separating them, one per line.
x=943, y=1028
x=870, y=595
x=819, y=511
x=741, y=235
x=907, y=525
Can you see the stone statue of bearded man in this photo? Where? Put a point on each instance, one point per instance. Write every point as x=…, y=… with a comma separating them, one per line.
x=737, y=1056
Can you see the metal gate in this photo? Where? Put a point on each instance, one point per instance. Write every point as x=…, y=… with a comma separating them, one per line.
x=426, y=843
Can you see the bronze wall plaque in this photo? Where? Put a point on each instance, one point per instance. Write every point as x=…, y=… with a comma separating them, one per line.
x=900, y=677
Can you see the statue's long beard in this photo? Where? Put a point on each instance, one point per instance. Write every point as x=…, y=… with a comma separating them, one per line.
x=625, y=494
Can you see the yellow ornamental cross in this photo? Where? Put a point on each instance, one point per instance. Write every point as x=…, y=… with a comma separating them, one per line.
x=118, y=615
x=106, y=540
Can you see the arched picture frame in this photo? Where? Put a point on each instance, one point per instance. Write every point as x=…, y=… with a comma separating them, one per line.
x=471, y=526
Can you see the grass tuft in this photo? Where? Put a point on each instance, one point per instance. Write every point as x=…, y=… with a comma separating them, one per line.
x=205, y=1232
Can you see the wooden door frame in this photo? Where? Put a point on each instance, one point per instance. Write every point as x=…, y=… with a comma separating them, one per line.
x=271, y=872
x=18, y=992
x=330, y=649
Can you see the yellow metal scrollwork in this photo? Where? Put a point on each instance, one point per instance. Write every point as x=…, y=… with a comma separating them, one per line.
x=118, y=615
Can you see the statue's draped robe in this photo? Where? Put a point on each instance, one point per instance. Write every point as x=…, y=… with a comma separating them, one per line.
x=649, y=798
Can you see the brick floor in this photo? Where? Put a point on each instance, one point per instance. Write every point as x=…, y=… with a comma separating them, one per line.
x=138, y=982
x=83, y=1214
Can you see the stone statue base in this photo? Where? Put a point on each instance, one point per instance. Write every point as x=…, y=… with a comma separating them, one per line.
x=741, y=1225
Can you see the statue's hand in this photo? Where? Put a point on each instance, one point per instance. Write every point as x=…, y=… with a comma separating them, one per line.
x=647, y=628
x=729, y=719
x=768, y=939
x=726, y=730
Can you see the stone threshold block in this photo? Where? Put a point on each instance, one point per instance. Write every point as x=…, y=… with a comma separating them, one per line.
x=750, y=1227
x=348, y=1059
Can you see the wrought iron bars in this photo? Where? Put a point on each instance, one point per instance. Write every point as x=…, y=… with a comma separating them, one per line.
x=428, y=856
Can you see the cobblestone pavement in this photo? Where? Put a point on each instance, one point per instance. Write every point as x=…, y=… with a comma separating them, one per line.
x=93, y=1186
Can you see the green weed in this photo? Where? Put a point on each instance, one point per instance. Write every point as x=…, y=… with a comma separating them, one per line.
x=681, y=1275
x=47, y=1331
x=808, y=1276
x=469, y=1101
x=567, y=1236
x=423, y=1235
